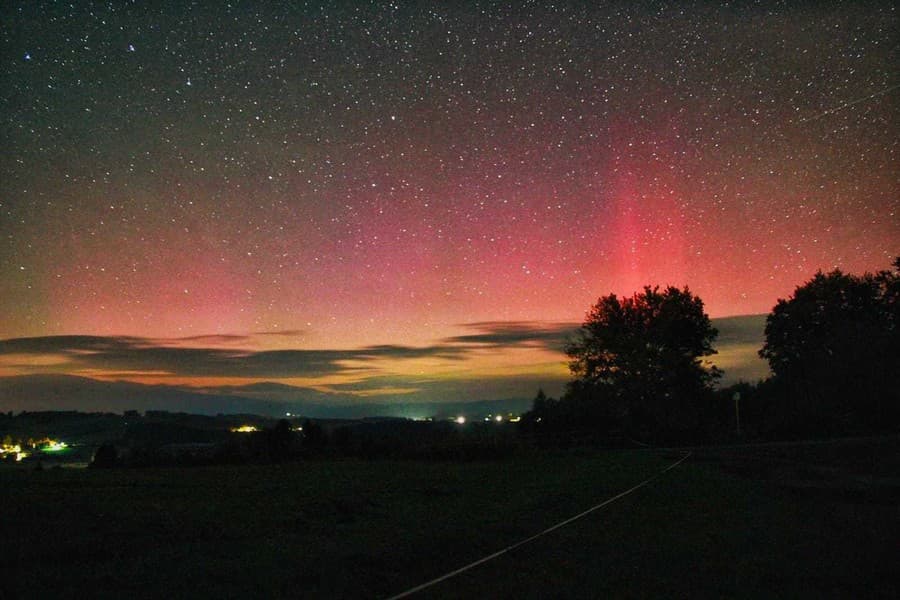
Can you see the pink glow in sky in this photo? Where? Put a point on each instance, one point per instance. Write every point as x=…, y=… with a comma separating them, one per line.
x=390, y=176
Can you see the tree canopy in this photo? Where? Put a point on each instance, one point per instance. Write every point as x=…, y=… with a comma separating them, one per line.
x=644, y=354
x=835, y=344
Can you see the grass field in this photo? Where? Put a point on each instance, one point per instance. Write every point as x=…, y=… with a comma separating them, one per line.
x=774, y=521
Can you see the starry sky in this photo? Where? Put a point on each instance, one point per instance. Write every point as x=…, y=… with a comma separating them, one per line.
x=384, y=198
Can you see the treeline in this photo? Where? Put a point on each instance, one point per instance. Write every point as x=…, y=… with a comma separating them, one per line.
x=156, y=444
x=641, y=377
x=640, y=371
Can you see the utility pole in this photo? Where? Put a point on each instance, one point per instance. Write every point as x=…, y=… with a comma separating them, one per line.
x=737, y=412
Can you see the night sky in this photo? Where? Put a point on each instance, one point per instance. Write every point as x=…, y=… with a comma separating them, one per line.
x=377, y=198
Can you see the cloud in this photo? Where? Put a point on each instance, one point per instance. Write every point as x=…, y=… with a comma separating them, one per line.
x=132, y=354
x=391, y=351
x=228, y=355
x=65, y=343
x=228, y=339
x=216, y=339
x=283, y=333
x=462, y=389
x=551, y=336
x=365, y=371
x=738, y=342
x=741, y=329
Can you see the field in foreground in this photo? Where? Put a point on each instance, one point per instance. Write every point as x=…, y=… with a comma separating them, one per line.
x=772, y=521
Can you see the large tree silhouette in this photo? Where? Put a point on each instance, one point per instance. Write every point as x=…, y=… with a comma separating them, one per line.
x=643, y=357
x=835, y=347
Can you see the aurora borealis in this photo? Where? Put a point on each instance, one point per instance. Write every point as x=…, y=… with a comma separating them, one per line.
x=416, y=200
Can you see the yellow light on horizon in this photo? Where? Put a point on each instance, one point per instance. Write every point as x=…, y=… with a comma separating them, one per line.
x=245, y=429
x=460, y=420
x=15, y=449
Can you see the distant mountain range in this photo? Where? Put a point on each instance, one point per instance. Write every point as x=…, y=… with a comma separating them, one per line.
x=67, y=392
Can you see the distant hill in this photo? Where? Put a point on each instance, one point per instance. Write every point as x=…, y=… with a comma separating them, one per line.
x=67, y=392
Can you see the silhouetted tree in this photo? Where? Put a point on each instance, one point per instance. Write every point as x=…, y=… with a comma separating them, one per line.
x=313, y=436
x=541, y=416
x=541, y=406
x=278, y=441
x=834, y=343
x=642, y=358
x=105, y=457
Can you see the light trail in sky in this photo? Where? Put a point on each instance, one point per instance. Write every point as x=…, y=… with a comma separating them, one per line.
x=831, y=111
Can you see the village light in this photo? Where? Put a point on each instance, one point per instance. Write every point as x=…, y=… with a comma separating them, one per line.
x=14, y=450
x=244, y=429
